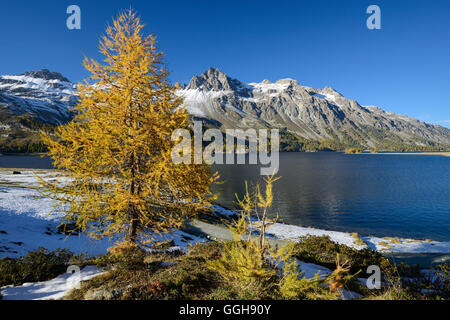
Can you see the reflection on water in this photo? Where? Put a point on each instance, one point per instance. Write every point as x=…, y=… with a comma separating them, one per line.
x=395, y=195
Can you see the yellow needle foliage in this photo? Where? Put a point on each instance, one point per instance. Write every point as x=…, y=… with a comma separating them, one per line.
x=115, y=156
x=246, y=261
x=243, y=263
x=250, y=264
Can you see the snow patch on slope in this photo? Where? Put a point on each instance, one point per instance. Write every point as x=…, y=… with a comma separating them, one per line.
x=48, y=100
x=52, y=86
x=196, y=101
x=326, y=96
x=28, y=221
x=53, y=289
x=271, y=89
x=388, y=244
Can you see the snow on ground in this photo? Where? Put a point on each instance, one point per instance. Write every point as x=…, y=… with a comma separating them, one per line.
x=407, y=245
x=309, y=271
x=285, y=231
x=28, y=221
x=223, y=211
x=387, y=244
x=53, y=289
x=58, y=287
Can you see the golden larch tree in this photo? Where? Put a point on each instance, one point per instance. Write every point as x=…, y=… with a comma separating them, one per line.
x=115, y=156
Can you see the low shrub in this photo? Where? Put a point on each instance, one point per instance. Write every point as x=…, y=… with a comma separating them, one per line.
x=37, y=265
x=293, y=285
x=321, y=250
x=353, y=150
x=162, y=276
x=442, y=281
x=124, y=256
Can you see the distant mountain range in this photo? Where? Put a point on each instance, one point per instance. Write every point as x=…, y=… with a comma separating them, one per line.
x=308, y=118
x=43, y=95
x=315, y=117
x=31, y=101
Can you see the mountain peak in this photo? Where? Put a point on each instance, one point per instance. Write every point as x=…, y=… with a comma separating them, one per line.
x=214, y=72
x=288, y=81
x=46, y=75
x=216, y=80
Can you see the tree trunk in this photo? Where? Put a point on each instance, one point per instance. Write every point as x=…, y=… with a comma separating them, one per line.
x=132, y=230
x=262, y=238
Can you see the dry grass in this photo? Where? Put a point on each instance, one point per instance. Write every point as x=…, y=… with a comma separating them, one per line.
x=358, y=240
x=385, y=245
x=393, y=240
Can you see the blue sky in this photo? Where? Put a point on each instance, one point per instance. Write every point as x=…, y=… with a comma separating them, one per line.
x=403, y=68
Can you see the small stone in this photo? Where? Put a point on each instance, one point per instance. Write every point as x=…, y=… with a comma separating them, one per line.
x=103, y=294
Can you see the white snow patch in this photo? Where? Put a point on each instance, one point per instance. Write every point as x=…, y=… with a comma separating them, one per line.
x=274, y=88
x=408, y=245
x=326, y=96
x=28, y=221
x=309, y=271
x=284, y=231
x=292, y=232
x=26, y=82
x=198, y=102
x=53, y=289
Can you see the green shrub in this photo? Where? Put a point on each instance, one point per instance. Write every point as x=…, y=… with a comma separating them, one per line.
x=128, y=259
x=321, y=250
x=442, y=281
x=293, y=285
x=37, y=265
x=353, y=150
x=161, y=277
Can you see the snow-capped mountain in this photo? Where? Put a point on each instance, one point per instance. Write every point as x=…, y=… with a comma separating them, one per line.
x=43, y=95
x=314, y=114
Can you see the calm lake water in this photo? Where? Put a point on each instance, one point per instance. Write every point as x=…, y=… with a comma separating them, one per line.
x=25, y=161
x=380, y=195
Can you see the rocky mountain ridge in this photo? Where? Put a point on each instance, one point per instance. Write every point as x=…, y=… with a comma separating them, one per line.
x=312, y=114
x=43, y=95
x=312, y=118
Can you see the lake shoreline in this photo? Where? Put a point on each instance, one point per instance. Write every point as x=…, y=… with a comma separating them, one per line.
x=425, y=153
x=18, y=154
x=382, y=242
x=386, y=244
x=216, y=232
x=283, y=231
x=20, y=211
x=431, y=152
